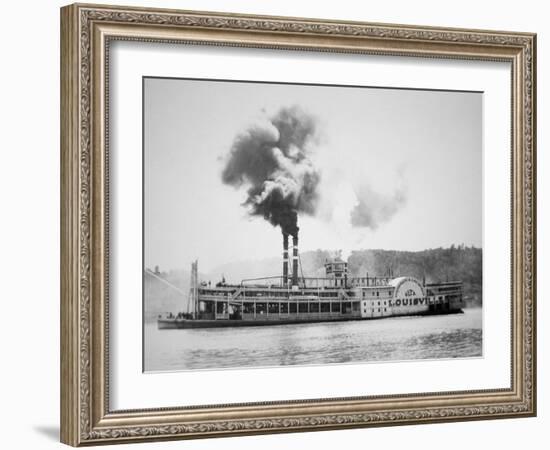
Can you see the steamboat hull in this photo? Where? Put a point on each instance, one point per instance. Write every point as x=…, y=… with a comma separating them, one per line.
x=174, y=324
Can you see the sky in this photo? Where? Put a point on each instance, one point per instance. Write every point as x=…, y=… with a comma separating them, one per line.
x=412, y=158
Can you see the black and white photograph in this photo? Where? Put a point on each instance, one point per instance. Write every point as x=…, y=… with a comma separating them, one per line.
x=299, y=224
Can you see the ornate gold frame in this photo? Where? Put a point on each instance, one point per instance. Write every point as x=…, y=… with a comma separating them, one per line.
x=86, y=31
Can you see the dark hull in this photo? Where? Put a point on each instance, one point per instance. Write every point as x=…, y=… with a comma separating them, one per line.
x=172, y=324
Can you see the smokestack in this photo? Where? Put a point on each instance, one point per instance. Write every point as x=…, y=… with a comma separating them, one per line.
x=295, y=261
x=285, y=259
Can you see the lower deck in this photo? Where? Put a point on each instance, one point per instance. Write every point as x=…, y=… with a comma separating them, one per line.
x=278, y=310
x=344, y=309
x=214, y=312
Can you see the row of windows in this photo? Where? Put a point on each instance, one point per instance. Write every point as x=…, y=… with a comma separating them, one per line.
x=384, y=302
x=285, y=308
x=372, y=310
x=445, y=289
x=374, y=293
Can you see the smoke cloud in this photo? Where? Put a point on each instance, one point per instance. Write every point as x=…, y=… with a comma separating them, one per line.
x=272, y=160
x=375, y=208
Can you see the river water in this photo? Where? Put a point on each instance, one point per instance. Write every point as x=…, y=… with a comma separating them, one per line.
x=392, y=339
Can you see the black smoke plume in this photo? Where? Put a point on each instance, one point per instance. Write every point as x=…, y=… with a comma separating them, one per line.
x=271, y=160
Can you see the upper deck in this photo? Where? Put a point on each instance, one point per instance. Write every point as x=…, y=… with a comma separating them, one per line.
x=275, y=286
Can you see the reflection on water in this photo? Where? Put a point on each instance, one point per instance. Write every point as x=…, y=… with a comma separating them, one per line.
x=399, y=338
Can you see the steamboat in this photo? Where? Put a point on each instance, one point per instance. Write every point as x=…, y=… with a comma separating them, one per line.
x=292, y=299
